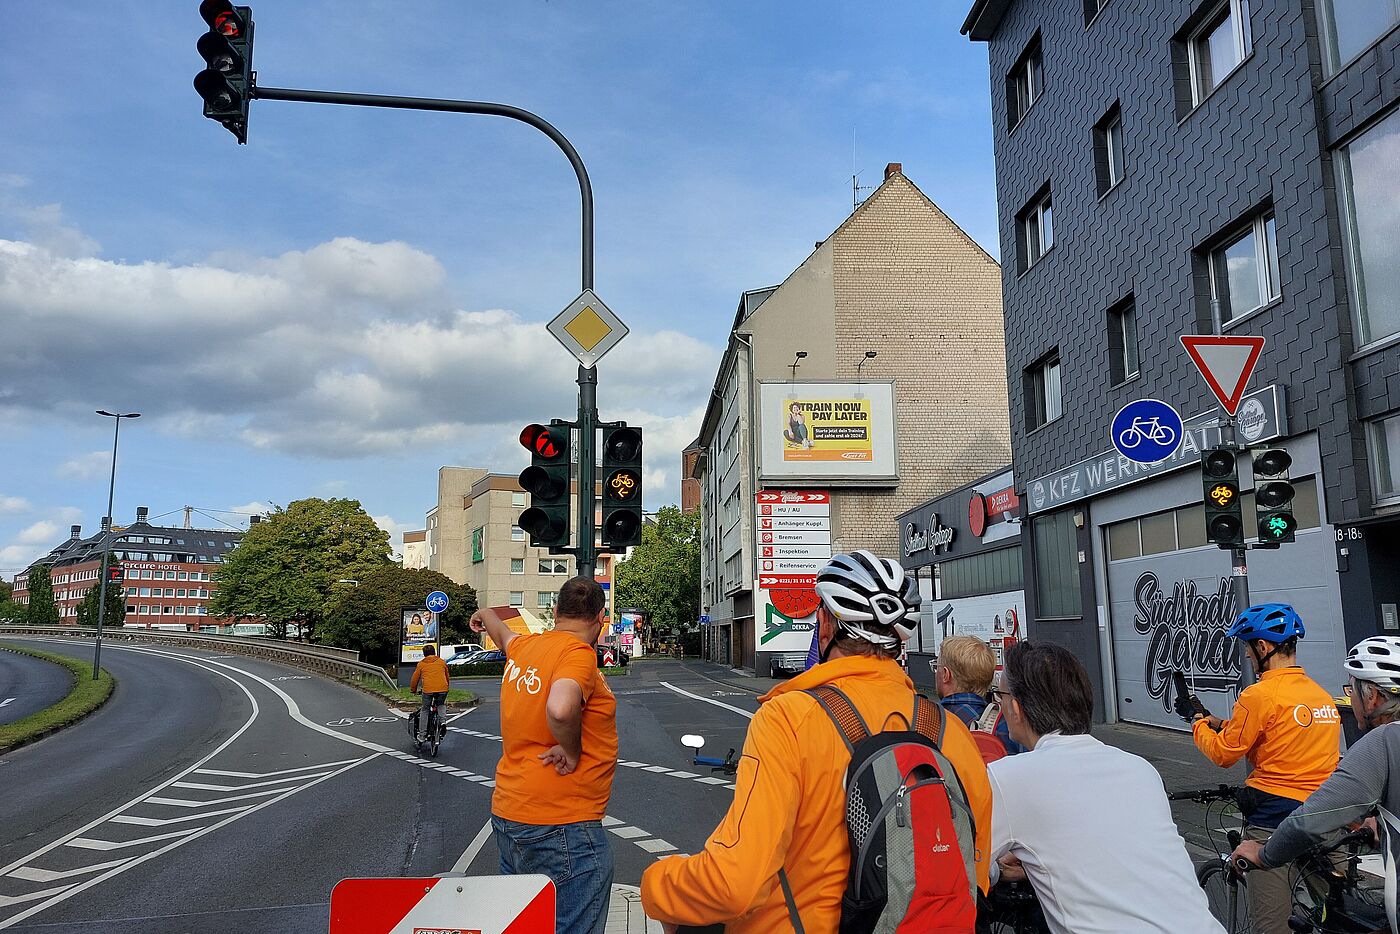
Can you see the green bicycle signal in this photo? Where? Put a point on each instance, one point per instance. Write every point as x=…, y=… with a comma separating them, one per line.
x=1278, y=527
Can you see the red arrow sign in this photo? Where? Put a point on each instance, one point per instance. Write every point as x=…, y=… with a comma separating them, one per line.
x=1225, y=362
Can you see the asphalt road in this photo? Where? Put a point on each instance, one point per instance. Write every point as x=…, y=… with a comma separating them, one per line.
x=29, y=684
x=219, y=793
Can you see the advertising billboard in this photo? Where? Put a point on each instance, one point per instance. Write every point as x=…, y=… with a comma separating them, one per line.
x=995, y=618
x=418, y=628
x=827, y=431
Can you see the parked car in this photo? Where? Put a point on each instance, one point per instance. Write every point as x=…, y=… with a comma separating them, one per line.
x=494, y=655
x=459, y=654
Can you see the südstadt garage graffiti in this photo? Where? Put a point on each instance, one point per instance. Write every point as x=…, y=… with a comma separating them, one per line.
x=1185, y=632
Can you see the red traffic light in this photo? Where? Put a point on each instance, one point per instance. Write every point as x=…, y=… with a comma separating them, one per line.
x=222, y=18
x=538, y=441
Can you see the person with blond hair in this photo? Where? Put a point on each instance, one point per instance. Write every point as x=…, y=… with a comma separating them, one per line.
x=963, y=672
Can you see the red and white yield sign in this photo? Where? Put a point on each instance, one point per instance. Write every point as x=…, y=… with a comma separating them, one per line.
x=1225, y=362
x=459, y=905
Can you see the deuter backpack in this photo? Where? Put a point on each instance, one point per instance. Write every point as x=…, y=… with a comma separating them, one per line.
x=984, y=734
x=911, y=830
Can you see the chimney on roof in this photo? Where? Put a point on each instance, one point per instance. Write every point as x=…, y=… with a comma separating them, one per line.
x=894, y=168
x=106, y=523
x=75, y=532
x=141, y=513
x=253, y=520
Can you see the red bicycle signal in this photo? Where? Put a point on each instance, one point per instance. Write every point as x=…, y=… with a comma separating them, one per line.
x=537, y=440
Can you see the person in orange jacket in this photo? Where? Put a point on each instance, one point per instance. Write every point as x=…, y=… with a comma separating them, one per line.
x=1288, y=727
x=431, y=675
x=789, y=801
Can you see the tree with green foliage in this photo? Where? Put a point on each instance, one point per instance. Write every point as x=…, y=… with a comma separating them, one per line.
x=9, y=609
x=367, y=616
x=285, y=569
x=41, y=610
x=116, y=607
x=662, y=576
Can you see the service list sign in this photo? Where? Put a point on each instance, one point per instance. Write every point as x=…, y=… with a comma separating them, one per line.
x=792, y=531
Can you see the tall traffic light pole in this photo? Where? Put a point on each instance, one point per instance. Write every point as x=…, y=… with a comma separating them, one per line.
x=586, y=552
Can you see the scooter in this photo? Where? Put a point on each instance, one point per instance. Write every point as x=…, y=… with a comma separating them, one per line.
x=728, y=765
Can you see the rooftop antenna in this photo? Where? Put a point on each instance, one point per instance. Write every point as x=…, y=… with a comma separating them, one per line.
x=188, y=510
x=856, y=186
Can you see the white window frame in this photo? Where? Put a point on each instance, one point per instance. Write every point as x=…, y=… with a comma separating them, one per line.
x=517, y=598
x=544, y=599
x=1238, y=12
x=517, y=534
x=1114, y=166
x=1034, y=222
x=1380, y=456
x=1027, y=82
x=517, y=498
x=1118, y=318
x=517, y=563
x=1266, y=264
x=1351, y=236
x=1040, y=377
x=1331, y=49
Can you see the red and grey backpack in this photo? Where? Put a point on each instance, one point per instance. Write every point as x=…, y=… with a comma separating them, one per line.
x=912, y=833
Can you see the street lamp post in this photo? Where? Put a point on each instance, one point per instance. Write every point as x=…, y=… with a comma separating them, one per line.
x=107, y=538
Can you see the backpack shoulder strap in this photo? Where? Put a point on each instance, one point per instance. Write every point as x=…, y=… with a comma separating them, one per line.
x=793, y=915
x=929, y=719
x=843, y=713
x=987, y=722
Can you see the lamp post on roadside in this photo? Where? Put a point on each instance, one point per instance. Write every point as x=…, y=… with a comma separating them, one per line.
x=107, y=537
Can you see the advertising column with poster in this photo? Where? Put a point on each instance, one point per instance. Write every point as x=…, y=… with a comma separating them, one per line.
x=793, y=532
x=418, y=627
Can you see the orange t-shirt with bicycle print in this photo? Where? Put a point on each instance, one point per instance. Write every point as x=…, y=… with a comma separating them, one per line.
x=527, y=790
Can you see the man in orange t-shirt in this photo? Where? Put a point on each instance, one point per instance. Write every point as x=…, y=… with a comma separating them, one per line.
x=559, y=752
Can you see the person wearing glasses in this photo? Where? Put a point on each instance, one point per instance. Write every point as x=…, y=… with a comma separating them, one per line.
x=1088, y=824
x=1286, y=725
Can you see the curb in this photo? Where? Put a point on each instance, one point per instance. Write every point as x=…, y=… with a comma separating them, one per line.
x=76, y=718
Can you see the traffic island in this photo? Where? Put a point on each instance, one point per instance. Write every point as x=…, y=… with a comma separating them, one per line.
x=84, y=696
x=457, y=699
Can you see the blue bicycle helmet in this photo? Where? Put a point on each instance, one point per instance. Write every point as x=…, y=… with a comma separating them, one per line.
x=1272, y=622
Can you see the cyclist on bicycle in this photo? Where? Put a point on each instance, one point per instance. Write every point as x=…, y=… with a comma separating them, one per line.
x=786, y=830
x=1362, y=782
x=431, y=676
x=1288, y=728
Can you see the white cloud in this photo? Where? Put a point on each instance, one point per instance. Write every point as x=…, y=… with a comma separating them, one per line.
x=395, y=529
x=43, y=532
x=10, y=505
x=255, y=508
x=87, y=466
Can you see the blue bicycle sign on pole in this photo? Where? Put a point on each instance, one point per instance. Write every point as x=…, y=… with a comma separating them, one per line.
x=437, y=601
x=1146, y=431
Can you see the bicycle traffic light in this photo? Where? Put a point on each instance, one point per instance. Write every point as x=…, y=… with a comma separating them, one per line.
x=622, y=485
x=548, y=483
x=1220, y=480
x=1273, y=496
x=227, y=79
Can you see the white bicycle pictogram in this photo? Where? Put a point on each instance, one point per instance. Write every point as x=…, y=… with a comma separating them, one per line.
x=1146, y=429
x=530, y=681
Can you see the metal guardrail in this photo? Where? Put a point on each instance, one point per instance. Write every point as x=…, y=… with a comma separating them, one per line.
x=321, y=659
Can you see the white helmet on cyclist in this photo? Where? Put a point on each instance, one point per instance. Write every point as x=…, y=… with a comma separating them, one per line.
x=1376, y=660
x=871, y=597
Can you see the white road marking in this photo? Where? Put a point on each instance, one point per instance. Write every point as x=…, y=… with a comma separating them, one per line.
x=6, y=701
x=222, y=799
x=86, y=843
x=610, y=821
x=710, y=781
x=655, y=846
x=206, y=786
x=304, y=768
x=167, y=821
x=460, y=715
x=473, y=848
x=707, y=700
x=8, y=900
x=31, y=874
x=628, y=833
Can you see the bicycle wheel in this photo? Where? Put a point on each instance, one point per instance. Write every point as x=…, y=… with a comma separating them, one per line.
x=1220, y=888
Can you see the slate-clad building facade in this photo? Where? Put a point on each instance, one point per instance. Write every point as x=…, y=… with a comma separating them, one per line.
x=1169, y=167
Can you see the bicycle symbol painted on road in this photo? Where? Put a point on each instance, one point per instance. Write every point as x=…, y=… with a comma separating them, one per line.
x=351, y=721
x=1147, y=431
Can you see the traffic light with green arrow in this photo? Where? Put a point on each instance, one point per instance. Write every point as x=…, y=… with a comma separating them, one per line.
x=1273, y=496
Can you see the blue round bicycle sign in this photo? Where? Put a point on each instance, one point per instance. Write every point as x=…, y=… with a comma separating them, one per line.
x=1146, y=431
x=437, y=601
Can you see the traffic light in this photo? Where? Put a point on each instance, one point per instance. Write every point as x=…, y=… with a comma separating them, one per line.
x=547, y=482
x=1273, y=496
x=622, y=485
x=227, y=79
x=1220, y=480
x=115, y=574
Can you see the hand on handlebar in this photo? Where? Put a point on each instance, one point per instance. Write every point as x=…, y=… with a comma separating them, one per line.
x=1011, y=869
x=1247, y=852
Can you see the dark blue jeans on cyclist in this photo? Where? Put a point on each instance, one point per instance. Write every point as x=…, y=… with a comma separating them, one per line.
x=438, y=698
x=577, y=857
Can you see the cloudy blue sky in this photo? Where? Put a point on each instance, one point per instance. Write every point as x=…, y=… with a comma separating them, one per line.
x=357, y=297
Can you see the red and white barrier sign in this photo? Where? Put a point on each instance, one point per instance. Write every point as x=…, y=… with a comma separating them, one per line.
x=461, y=905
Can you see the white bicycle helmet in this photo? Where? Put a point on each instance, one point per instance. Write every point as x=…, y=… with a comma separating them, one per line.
x=871, y=597
x=1377, y=660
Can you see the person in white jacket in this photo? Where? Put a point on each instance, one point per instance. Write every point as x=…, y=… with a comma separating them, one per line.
x=1088, y=824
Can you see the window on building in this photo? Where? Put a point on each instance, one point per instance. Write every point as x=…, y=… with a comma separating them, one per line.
x=179, y=611
x=517, y=565
x=1218, y=46
x=1108, y=149
x=183, y=576
x=517, y=499
x=1057, y=565
x=990, y=572
x=1352, y=26
x=1385, y=456
x=517, y=534
x=145, y=609
x=1035, y=230
x=1244, y=272
x=544, y=599
x=1091, y=10
x=146, y=575
x=1042, y=391
x=167, y=611
x=517, y=598
x=1122, y=342
x=1369, y=169
x=179, y=591
x=145, y=592
x=1025, y=84
x=132, y=592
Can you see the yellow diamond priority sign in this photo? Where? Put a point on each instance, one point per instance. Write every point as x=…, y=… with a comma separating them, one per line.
x=587, y=328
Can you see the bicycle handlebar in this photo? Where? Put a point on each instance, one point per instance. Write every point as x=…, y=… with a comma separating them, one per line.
x=1206, y=795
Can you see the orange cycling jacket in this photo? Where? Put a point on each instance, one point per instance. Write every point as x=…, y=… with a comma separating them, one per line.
x=1288, y=727
x=789, y=808
x=432, y=671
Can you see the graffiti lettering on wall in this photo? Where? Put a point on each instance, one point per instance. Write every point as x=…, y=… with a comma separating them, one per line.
x=1186, y=632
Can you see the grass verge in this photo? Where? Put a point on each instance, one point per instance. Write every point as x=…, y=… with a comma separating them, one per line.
x=85, y=696
x=455, y=697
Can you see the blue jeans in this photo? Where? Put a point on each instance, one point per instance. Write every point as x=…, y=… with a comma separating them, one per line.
x=577, y=857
